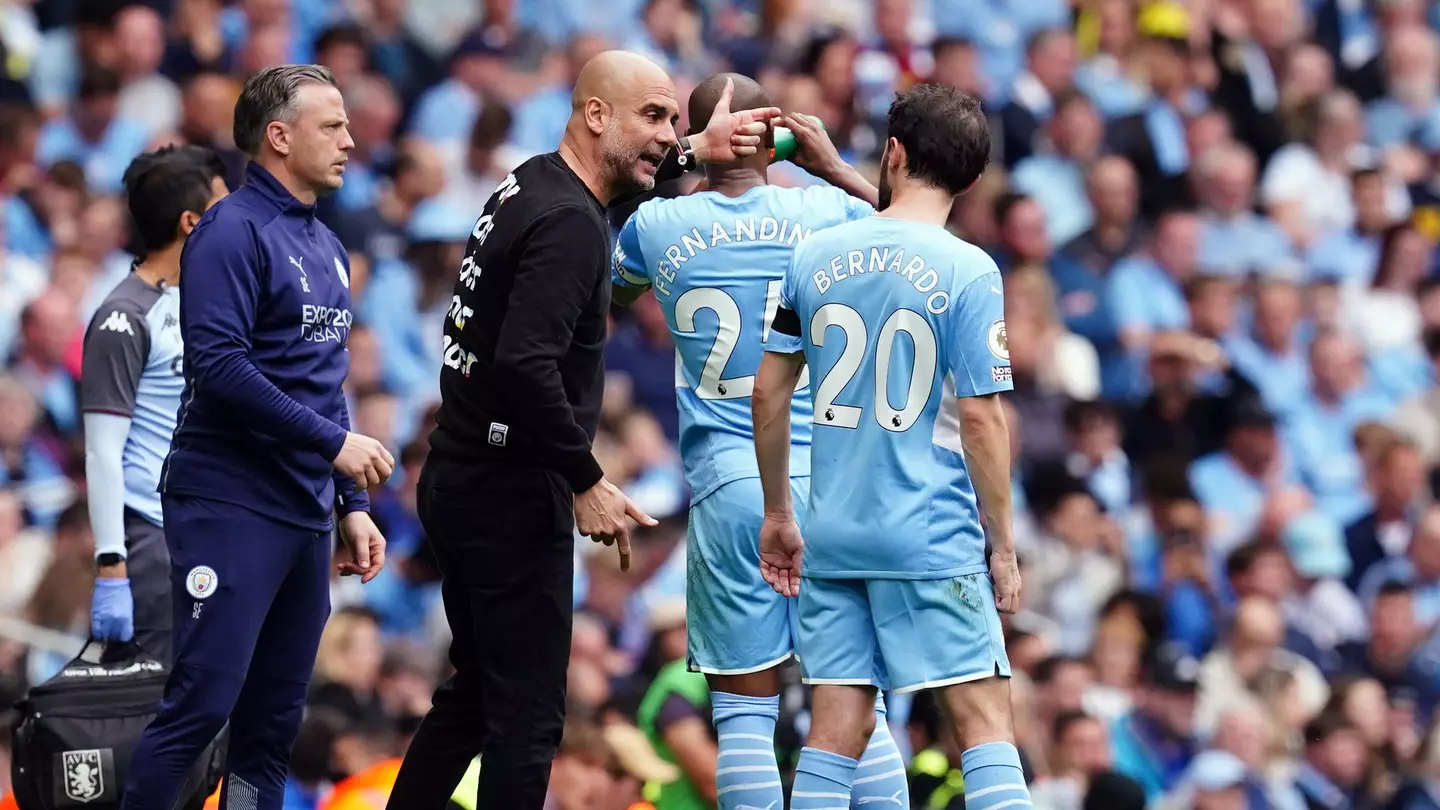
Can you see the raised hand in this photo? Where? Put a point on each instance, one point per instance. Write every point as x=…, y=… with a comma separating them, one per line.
x=732, y=135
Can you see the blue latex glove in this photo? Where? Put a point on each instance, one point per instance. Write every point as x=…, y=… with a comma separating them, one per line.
x=112, y=610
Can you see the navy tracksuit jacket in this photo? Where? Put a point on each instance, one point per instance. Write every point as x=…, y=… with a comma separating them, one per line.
x=248, y=490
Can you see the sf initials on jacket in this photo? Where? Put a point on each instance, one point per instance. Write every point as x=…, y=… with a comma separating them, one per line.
x=265, y=315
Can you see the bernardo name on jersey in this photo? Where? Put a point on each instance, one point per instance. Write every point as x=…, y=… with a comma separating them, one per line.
x=897, y=320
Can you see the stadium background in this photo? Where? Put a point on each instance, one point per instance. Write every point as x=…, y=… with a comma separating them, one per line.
x=1218, y=223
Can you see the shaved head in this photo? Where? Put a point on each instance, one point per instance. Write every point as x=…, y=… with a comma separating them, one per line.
x=622, y=120
x=612, y=75
x=749, y=95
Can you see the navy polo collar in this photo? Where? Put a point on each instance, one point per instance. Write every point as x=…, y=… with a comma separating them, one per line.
x=259, y=178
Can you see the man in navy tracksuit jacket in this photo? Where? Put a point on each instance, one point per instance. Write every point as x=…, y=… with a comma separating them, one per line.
x=262, y=453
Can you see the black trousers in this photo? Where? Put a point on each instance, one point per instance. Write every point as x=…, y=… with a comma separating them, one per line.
x=503, y=536
x=147, y=560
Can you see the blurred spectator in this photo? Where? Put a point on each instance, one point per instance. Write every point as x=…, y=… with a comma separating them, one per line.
x=1113, y=194
x=146, y=96
x=1250, y=487
x=1387, y=316
x=1418, y=569
x=32, y=467
x=675, y=714
x=1056, y=178
x=1306, y=187
x=1234, y=240
x=1253, y=654
x=1412, y=57
x=670, y=35
x=1396, y=482
x=1076, y=565
x=347, y=667
x=1334, y=766
x=640, y=349
x=447, y=111
x=1351, y=255
x=1081, y=751
x=378, y=230
x=489, y=156
x=96, y=135
x=1114, y=791
x=374, y=115
x=1049, y=69
x=396, y=53
x=1323, y=422
x=47, y=328
x=24, y=555
x=1321, y=607
x=1152, y=744
x=1153, y=138
x=1178, y=418
x=1146, y=295
x=61, y=600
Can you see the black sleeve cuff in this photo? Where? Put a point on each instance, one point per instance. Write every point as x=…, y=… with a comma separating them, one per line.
x=786, y=322
x=582, y=473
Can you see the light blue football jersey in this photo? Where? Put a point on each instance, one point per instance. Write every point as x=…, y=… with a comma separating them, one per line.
x=132, y=367
x=716, y=265
x=897, y=320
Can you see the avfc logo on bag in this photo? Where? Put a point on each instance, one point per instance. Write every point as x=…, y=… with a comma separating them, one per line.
x=85, y=776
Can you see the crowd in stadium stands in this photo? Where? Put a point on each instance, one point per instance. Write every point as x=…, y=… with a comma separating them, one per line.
x=1217, y=221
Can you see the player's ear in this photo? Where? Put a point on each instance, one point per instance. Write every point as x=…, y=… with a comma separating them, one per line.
x=596, y=113
x=278, y=136
x=188, y=221
x=897, y=155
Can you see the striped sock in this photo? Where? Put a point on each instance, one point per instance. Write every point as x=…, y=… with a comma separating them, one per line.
x=822, y=781
x=881, y=781
x=993, y=778
x=746, y=776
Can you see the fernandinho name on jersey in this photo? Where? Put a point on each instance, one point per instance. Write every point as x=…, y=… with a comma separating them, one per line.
x=739, y=229
x=915, y=268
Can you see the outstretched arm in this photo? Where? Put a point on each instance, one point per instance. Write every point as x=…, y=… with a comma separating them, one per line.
x=816, y=153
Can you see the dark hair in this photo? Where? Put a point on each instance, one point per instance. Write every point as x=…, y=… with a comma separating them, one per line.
x=945, y=135
x=75, y=518
x=1005, y=203
x=98, y=82
x=492, y=125
x=16, y=120
x=1167, y=478
x=352, y=35
x=1326, y=725
x=1038, y=39
x=161, y=186
x=1201, y=284
x=1064, y=720
x=1432, y=343
x=269, y=95
x=1389, y=243
x=311, y=753
x=951, y=43
x=1080, y=413
x=1366, y=173
x=1393, y=587
x=1049, y=667
x=1067, y=97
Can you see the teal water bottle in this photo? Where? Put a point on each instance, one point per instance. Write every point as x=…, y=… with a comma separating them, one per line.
x=785, y=144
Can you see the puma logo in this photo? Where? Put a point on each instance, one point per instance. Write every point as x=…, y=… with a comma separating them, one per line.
x=770, y=806
x=892, y=799
x=300, y=265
